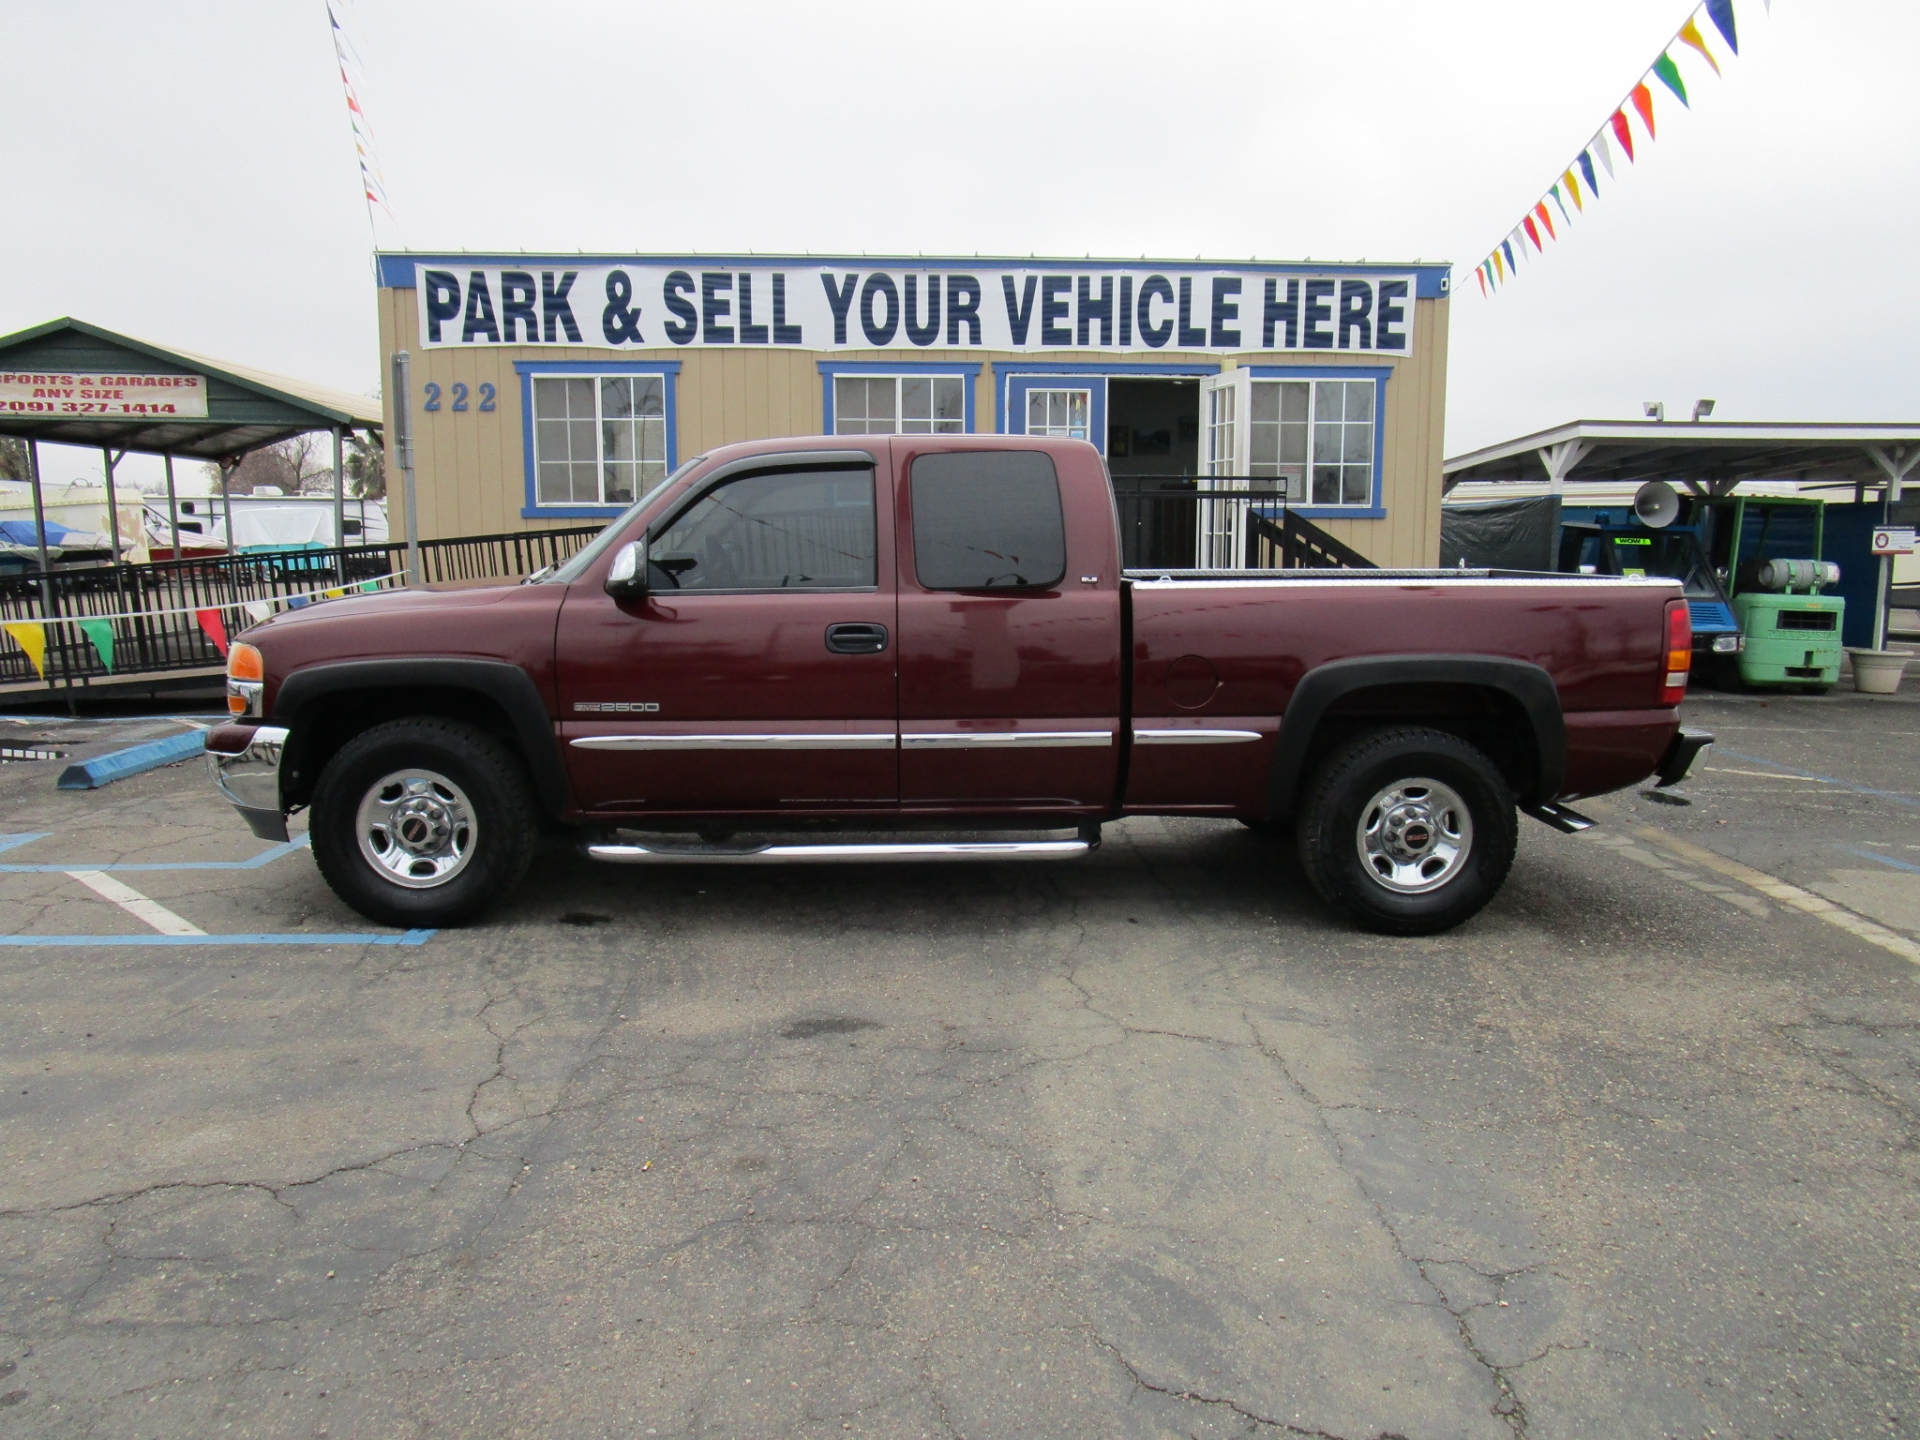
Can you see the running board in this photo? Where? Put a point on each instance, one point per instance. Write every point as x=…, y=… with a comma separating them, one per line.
x=1559, y=817
x=721, y=854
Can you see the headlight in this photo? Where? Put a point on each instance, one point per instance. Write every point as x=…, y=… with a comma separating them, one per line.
x=1727, y=644
x=246, y=681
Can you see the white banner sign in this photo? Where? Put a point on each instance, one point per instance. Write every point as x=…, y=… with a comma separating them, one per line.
x=102, y=396
x=1136, y=312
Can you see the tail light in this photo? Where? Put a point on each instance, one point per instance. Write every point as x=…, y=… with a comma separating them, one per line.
x=246, y=677
x=1679, y=653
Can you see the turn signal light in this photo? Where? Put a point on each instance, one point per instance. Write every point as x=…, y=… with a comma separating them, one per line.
x=244, y=663
x=1679, y=653
x=246, y=681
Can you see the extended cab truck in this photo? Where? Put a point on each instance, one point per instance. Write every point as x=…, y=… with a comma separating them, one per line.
x=814, y=640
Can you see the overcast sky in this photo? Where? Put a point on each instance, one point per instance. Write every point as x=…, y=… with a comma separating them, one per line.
x=185, y=172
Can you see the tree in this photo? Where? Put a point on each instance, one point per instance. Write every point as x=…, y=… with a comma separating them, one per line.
x=13, y=459
x=301, y=464
x=366, y=467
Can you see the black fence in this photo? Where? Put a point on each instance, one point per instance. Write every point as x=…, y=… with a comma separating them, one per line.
x=1172, y=523
x=165, y=617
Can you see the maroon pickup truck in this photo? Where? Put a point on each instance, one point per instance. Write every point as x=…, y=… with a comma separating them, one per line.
x=887, y=648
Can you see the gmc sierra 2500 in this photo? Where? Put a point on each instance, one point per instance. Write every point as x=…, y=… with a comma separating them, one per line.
x=840, y=648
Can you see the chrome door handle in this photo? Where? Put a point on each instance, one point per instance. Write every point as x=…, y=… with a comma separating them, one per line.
x=856, y=638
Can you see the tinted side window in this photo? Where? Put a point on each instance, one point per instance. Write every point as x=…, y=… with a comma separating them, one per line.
x=988, y=521
x=801, y=530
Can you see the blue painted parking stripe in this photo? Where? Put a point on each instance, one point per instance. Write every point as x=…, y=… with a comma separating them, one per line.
x=265, y=857
x=1886, y=860
x=1724, y=753
x=409, y=937
x=119, y=764
x=14, y=842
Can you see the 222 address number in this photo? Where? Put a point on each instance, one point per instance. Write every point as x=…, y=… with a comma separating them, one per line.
x=457, y=401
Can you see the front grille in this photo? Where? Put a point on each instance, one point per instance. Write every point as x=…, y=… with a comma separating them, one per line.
x=1805, y=672
x=1804, y=619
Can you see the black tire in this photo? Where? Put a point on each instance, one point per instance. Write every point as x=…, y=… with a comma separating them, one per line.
x=482, y=794
x=1460, y=877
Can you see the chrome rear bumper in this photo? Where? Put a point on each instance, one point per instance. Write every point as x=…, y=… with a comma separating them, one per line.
x=250, y=779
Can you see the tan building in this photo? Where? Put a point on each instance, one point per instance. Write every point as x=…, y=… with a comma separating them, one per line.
x=554, y=390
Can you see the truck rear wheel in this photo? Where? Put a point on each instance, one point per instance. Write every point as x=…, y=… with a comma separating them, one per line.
x=422, y=821
x=1408, y=831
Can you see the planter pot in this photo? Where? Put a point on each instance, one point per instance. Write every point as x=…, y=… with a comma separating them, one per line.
x=1877, y=672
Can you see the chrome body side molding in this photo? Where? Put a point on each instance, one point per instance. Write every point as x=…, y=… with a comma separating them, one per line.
x=735, y=742
x=1194, y=737
x=1006, y=739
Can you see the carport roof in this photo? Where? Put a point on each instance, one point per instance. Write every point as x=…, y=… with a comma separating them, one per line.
x=246, y=408
x=1711, y=453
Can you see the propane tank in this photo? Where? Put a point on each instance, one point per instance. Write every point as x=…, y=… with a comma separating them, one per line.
x=1791, y=575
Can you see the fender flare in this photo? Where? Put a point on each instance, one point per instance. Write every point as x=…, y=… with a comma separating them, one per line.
x=507, y=685
x=1526, y=683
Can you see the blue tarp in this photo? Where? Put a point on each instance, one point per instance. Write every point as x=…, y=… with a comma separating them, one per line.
x=23, y=532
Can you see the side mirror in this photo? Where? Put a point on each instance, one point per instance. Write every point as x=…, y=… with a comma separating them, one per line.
x=627, y=576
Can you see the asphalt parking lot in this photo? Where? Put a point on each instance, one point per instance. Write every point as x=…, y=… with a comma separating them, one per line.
x=1146, y=1145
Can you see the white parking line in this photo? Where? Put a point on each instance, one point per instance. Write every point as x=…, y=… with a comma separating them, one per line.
x=152, y=912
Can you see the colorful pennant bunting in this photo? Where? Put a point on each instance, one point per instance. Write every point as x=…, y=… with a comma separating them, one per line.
x=215, y=628
x=30, y=636
x=372, y=183
x=100, y=632
x=1618, y=129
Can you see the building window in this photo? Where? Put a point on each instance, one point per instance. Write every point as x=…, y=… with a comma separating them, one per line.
x=1316, y=437
x=598, y=439
x=899, y=404
x=1063, y=414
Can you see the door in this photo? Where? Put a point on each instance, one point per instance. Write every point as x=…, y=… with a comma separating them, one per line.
x=1225, y=414
x=1009, y=632
x=758, y=673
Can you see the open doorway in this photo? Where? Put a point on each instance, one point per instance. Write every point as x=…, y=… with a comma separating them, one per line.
x=1153, y=426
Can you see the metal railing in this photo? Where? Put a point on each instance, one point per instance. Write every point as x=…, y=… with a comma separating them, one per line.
x=1184, y=523
x=150, y=618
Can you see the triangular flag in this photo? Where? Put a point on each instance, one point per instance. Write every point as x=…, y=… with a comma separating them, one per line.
x=100, y=632
x=1496, y=260
x=259, y=611
x=1573, y=189
x=1532, y=234
x=1669, y=74
x=1721, y=13
x=1690, y=33
x=1586, y=169
x=30, y=636
x=1540, y=213
x=1623, y=133
x=215, y=628
x=1643, y=102
x=1605, y=152
x=369, y=586
x=1481, y=276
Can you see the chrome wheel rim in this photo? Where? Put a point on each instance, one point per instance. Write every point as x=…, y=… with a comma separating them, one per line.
x=1414, y=836
x=416, y=828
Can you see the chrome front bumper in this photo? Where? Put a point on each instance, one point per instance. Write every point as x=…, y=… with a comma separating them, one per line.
x=250, y=779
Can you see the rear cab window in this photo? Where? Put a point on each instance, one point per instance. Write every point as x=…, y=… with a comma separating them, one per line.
x=987, y=520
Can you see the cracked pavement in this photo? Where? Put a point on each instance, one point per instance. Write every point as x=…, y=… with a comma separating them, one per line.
x=1142, y=1146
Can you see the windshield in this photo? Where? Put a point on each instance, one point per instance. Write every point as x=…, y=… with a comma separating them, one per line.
x=600, y=543
x=1671, y=554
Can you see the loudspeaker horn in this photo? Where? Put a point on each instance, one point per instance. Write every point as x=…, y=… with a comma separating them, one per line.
x=1656, y=504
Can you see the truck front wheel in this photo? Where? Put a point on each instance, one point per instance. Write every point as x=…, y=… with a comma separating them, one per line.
x=1408, y=831
x=422, y=822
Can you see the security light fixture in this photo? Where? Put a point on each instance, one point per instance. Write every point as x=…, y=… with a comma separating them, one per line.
x=1656, y=409
x=1702, y=409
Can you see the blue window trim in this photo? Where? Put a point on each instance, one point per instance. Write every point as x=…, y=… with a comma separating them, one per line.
x=527, y=369
x=1009, y=375
x=967, y=369
x=1377, y=510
